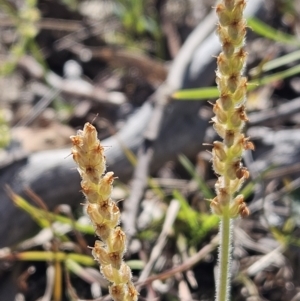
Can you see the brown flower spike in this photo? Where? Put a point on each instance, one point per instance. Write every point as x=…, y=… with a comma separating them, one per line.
x=105, y=215
x=229, y=109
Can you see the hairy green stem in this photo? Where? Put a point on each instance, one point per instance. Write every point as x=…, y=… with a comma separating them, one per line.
x=223, y=286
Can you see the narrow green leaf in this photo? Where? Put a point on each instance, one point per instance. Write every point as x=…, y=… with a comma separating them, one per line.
x=42, y=217
x=269, y=32
x=40, y=256
x=274, y=77
x=80, y=271
x=196, y=94
x=54, y=256
x=278, y=62
x=197, y=224
x=182, y=200
x=136, y=264
x=200, y=94
x=82, y=259
x=186, y=212
x=186, y=163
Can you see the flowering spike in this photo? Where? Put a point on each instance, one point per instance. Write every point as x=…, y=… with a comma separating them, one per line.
x=229, y=119
x=105, y=215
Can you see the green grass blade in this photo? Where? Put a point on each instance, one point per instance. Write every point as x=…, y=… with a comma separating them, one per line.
x=51, y=256
x=135, y=264
x=196, y=94
x=278, y=62
x=43, y=217
x=274, y=77
x=186, y=212
x=186, y=163
x=80, y=271
x=269, y=32
x=200, y=94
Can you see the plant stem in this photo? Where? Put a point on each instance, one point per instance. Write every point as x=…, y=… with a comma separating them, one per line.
x=229, y=119
x=223, y=287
